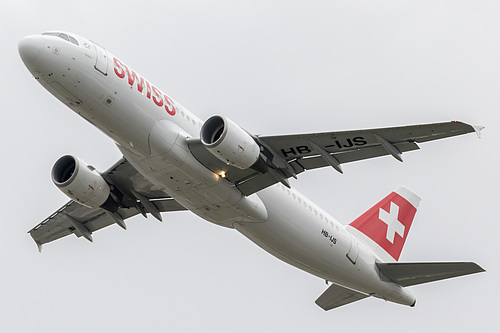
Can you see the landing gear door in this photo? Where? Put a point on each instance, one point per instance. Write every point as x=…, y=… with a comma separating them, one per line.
x=353, y=252
x=101, y=62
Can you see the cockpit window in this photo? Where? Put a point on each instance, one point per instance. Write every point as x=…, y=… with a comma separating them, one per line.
x=63, y=36
x=72, y=40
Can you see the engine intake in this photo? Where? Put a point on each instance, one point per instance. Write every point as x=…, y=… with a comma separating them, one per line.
x=82, y=183
x=229, y=142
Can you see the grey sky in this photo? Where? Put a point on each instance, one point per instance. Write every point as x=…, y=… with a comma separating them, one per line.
x=273, y=67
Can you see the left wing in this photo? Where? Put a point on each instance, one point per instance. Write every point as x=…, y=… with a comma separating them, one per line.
x=290, y=155
x=137, y=196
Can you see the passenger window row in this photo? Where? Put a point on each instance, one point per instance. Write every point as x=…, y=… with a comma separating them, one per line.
x=312, y=210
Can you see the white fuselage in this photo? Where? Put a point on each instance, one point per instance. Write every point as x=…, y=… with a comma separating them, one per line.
x=151, y=129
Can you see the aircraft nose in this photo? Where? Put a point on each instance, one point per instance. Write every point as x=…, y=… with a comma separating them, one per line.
x=30, y=48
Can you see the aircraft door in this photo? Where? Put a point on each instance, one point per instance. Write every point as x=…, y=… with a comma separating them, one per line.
x=101, y=62
x=353, y=252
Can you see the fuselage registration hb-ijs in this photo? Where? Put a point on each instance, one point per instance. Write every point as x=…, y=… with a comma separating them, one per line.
x=174, y=161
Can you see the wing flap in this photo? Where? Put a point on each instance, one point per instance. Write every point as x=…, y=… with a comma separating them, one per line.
x=336, y=296
x=309, y=163
x=409, y=274
x=258, y=182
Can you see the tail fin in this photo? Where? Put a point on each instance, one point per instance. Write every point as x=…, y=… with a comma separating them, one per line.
x=385, y=227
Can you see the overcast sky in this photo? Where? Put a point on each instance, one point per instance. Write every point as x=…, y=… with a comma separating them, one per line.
x=273, y=67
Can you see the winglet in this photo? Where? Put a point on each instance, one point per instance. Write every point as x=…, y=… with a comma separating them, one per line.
x=478, y=130
x=39, y=247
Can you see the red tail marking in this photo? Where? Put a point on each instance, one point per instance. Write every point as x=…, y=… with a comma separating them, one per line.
x=388, y=223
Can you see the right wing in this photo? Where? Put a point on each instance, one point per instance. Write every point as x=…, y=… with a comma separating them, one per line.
x=290, y=155
x=139, y=196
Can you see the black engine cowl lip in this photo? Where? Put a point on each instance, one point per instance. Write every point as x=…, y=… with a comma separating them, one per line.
x=209, y=129
x=65, y=165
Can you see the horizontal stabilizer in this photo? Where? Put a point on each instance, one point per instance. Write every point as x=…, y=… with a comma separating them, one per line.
x=409, y=274
x=336, y=296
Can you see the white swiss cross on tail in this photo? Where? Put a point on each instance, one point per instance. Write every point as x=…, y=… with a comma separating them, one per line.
x=393, y=224
x=384, y=227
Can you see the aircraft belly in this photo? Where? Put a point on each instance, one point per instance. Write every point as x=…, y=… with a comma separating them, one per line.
x=197, y=188
x=295, y=233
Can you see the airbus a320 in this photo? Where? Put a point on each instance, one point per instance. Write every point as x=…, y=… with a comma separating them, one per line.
x=173, y=161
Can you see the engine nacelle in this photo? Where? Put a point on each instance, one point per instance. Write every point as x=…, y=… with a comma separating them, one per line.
x=82, y=183
x=229, y=142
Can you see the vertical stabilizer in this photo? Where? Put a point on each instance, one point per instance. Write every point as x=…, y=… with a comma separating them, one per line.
x=385, y=227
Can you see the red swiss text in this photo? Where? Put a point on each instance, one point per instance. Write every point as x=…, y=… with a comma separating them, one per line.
x=152, y=93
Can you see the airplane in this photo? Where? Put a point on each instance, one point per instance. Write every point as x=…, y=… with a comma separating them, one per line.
x=174, y=161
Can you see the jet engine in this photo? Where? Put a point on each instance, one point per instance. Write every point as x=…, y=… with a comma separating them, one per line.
x=229, y=142
x=82, y=183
